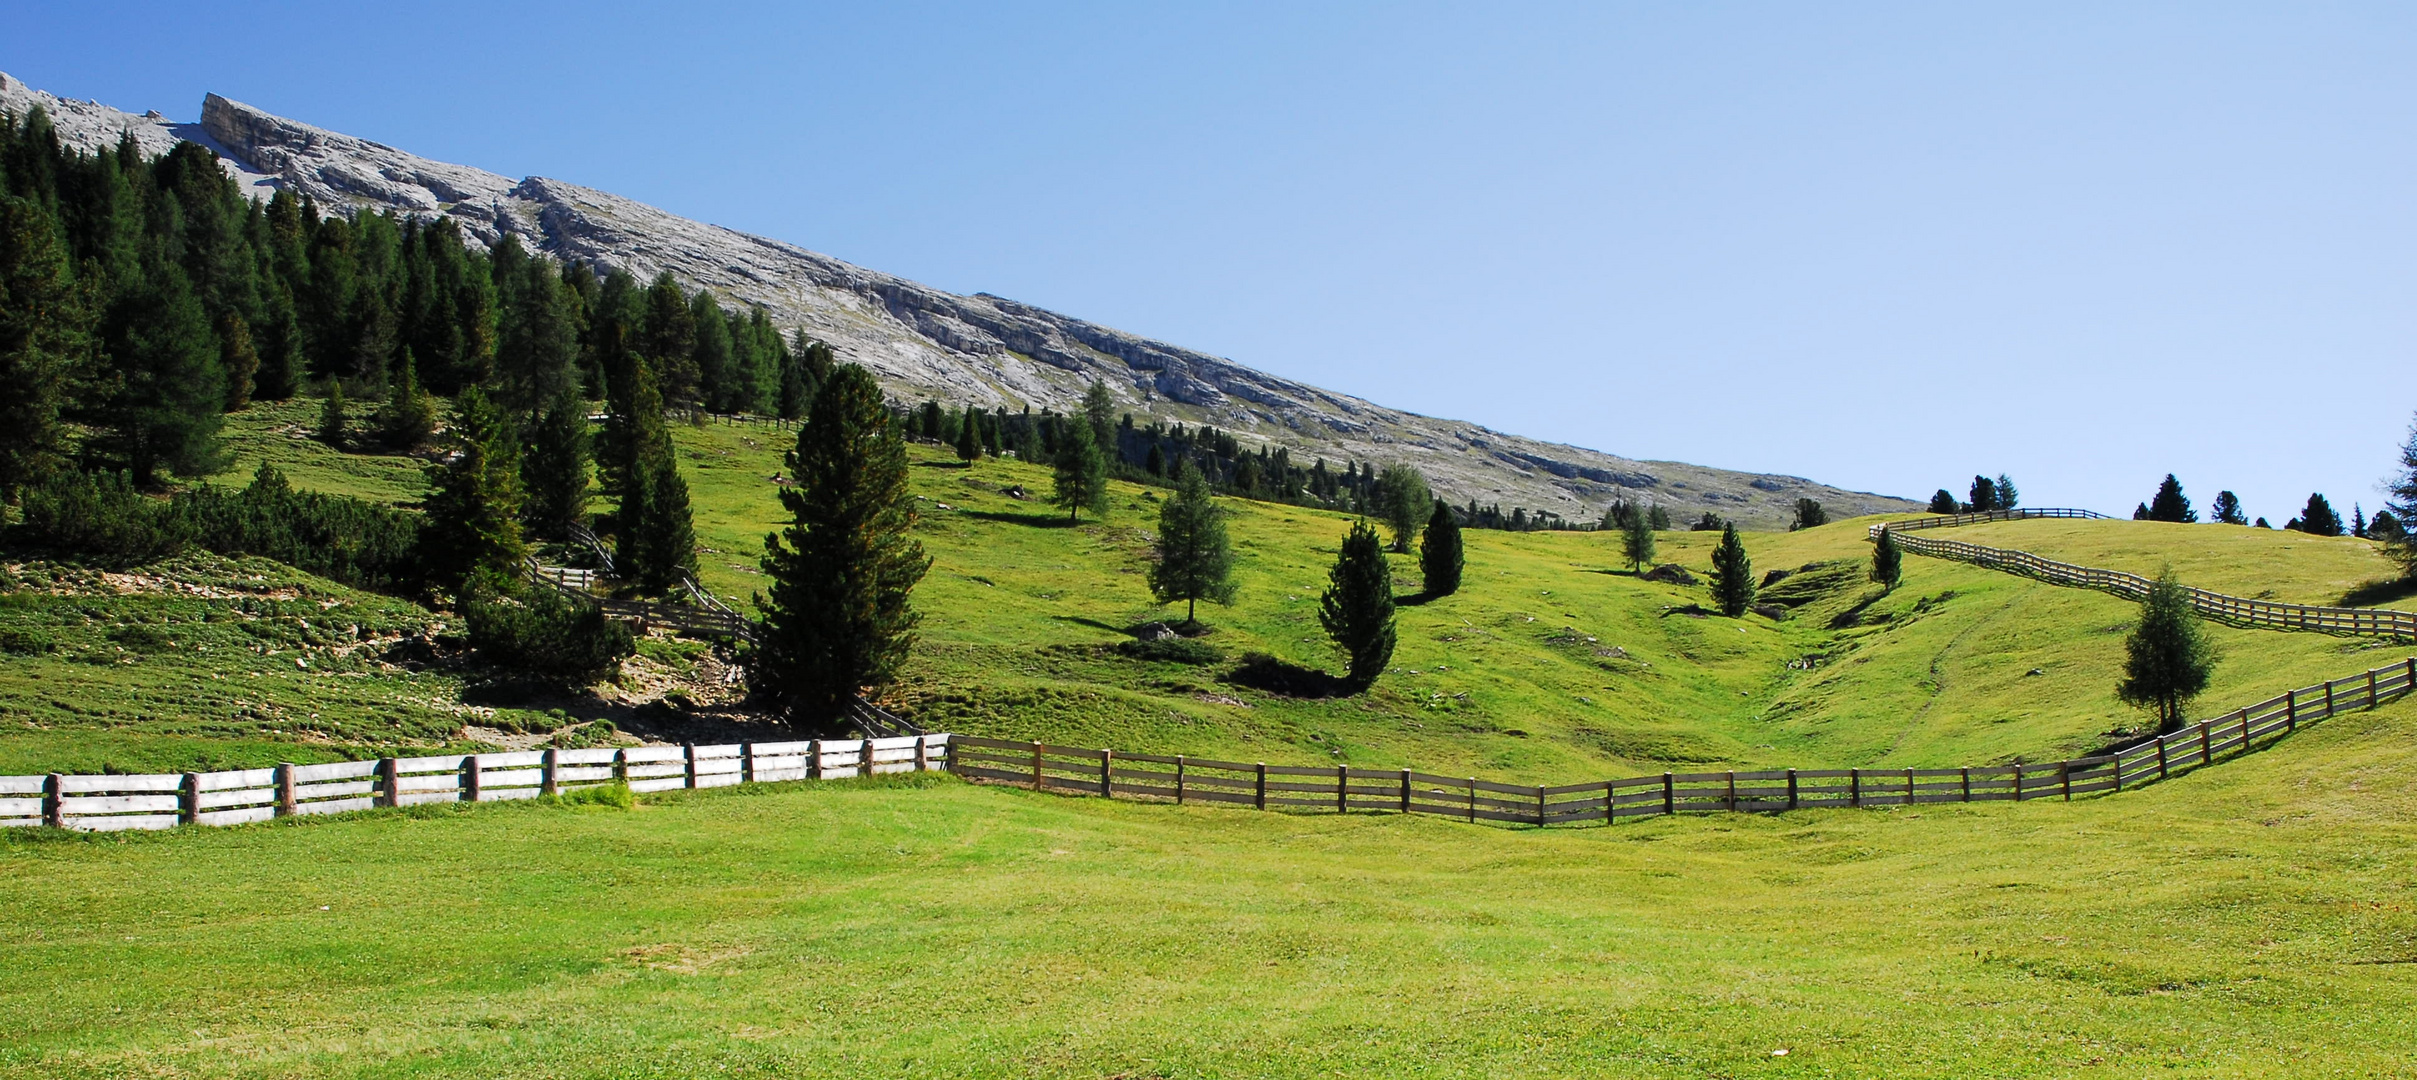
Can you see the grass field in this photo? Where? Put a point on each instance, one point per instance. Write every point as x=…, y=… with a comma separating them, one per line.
x=2252, y=920
x=1554, y=663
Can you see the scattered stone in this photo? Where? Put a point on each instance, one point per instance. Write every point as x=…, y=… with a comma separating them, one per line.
x=1670, y=574
x=1772, y=612
x=2036, y=671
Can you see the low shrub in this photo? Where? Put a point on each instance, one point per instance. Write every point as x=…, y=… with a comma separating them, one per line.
x=95, y=514
x=616, y=795
x=24, y=642
x=1171, y=650
x=536, y=630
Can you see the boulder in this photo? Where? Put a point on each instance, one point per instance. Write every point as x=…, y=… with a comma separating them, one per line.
x=1670, y=574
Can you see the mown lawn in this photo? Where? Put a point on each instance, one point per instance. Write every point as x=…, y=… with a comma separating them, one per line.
x=2252, y=920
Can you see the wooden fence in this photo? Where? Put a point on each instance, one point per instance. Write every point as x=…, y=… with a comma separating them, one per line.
x=165, y=800
x=1344, y=789
x=2214, y=605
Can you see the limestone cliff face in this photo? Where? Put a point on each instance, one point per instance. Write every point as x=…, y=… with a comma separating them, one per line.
x=923, y=341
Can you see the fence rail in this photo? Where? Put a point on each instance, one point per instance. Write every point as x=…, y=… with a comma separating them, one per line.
x=1345, y=789
x=166, y=800
x=2382, y=622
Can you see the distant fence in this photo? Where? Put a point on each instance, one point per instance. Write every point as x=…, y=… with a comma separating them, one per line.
x=165, y=800
x=1344, y=789
x=2214, y=605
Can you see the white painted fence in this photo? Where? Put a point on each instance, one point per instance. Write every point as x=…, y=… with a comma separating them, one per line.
x=166, y=800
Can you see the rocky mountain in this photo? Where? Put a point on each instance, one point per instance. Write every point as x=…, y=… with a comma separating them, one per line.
x=924, y=342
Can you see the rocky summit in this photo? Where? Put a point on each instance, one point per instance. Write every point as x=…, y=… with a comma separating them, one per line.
x=924, y=342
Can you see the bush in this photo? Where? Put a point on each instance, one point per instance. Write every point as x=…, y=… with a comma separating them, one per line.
x=539, y=631
x=16, y=642
x=95, y=514
x=100, y=515
x=1172, y=650
x=615, y=794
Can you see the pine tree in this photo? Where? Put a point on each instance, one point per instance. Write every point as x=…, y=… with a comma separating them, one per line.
x=162, y=360
x=1195, y=559
x=555, y=470
x=1887, y=560
x=2169, y=504
x=1942, y=502
x=1809, y=515
x=1100, y=411
x=1657, y=518
x=1440, y=559
x=473, y=503
x=657, y=539
x=1732, y=574
x=2402, y=546
x=2168, y=658
x=1402, y=500
x=2318, y=518
x=1082, y=473
x=45, y=342
x=2007, y=497
x=1984, y=495
x=408, y=417
x=2358, y=521
x=332, y=418
x=1357, y=608
x=1637, y=541
x=2227, y=509
x=837, y=620
x=969, y=436
x=238, y=357
x=1156, y=463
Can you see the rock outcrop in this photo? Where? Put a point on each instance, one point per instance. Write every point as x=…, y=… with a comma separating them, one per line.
x=925, y=342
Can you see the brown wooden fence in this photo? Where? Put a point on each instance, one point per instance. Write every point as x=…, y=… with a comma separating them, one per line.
x=1344, y=789
x=165, y=800
x=2214, y=605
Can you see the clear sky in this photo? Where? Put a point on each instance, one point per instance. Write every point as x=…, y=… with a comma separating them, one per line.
x=1883, y=246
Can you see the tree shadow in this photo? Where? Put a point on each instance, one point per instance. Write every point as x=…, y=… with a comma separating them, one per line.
x=2380, y=592
x=1260, y=671
x=1039, y=521
x=1084, y=620
x=1617, y=573
x=1415, y=599
x=944, y=464
x=1853, y=616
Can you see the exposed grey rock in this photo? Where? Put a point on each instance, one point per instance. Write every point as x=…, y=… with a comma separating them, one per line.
x=1670, y=574
x=923, y=342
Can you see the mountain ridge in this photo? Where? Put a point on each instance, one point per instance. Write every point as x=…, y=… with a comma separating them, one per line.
x=921, y=341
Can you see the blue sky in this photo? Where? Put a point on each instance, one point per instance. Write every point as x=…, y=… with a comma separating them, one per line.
x=1884, y=246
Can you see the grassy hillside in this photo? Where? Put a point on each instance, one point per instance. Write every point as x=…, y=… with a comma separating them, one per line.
x=2252, y=920
x=1553, y=663
x=2267, y=564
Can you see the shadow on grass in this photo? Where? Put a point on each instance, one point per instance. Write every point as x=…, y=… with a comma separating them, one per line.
x=1854, y=616
x=944, y=464
x=1260, y=671
x=1085, y=620
x=1043, y=520
x=2380, y=592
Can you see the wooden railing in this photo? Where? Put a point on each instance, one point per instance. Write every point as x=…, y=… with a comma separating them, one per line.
x=1344, y=789
x=165, y=800
x=2214, y=605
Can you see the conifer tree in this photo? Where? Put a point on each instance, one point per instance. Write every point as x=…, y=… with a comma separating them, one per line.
x=2402, y=545
x=2169, y=504
x=1357, y=608
x=1732, y=574
x=555, y=469
x=1942, y=502
x=1195, y=558
x=1637, y=541
x=1100, y=411
x=1156, y=463
x=2318, y=518
x=169, y=392
x=2358, y=521
x=1887, y=560
x=1984, y=495
x=1402, y=500
x=44, y=343
x=837, y=620
x=1440, y=559
x=473, y=503
x=408, y=417
x=969, y=436
x=239, y=357
x=2168, y=658
x=2007, y=497
x=657, y=539
x=1809, y=514
x=2227, y=509
x=668, y=337
x=1657, y=518
x=1081, y=474
x=332, y=418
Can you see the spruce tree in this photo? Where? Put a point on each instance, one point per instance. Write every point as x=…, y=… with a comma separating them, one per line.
x=1942, y=502
x=969, y=436
x=1440, y=559
x=473, y=503
x=1100, y=411
x=1402, y=501
x=409, y=416
x=1195, y=559
x=332, y=418
x=1357, y=608
x=2007, y=497
x=555, y=470
x=1156, y=463
x=161, y=358
x=1809, y=515
x=1732, y=574
x=45, y=341
x=1081, y=474
x=837, y=620
x=2169, y=504
x=2358, y=521
x=657, y=540
x=1984, y=495
x=2318, y=518
x=1657, y=518
x=1637, y=541
x=2168, y=658
x=2227, y=509
x=1887, y=560
x=239, y=357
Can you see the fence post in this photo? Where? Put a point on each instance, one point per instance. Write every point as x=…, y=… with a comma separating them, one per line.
x=389, y=779
x=188, y=799
x=1342, y=789
x=1472, y=800
x=1405, y=791
x=285, y=789
x=2411, y=685
x=2064, y=773
x=1669, y=795
x=1611, y=803
x=864, y=759
x=923, y=753
x=2370, y=688
x=2160, y=757
x=1967, y=773
x=688, y=765
x=2244, y=734
x=549, y=782
x=1107, y=772
x=1260, y=799
x=621, y=766
x=1036, y=765
x=1854, y=787
x=2118, y=770
x=471, y=781
x=2018, y=781
x=1909, y=787
x=2328, y=697
x=2206, y=755
x=747, y=762
x=1179, y=779
x=52, y=813
x=814, y=759
x=1791, y=789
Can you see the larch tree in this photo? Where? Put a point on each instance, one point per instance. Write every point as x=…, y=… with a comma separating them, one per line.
x=1195, y=557
x=2168, y=659
x=556, y=467
x=838, y=619
x=1402, y=500
x=1081, y=471
x=44, y=342
x=1637, y=543
x=474, y=499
